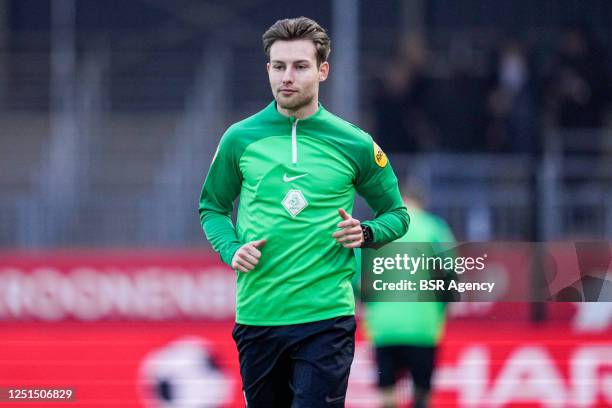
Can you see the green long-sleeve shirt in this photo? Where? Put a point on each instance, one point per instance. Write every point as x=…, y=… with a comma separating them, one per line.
x=292, y=176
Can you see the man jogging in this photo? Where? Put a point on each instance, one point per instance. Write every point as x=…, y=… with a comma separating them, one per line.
x=296, y=168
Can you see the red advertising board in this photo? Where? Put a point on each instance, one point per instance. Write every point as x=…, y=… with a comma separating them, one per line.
x=153, y=329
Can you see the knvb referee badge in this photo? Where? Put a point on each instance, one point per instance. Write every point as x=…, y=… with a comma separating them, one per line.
x=294, y=202
x=380, y=157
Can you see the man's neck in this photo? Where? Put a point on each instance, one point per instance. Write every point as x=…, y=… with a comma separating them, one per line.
x=301, y=113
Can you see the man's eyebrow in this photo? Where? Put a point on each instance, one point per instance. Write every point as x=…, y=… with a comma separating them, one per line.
x=302, y=61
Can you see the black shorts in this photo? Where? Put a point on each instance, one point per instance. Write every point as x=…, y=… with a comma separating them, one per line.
x=393, y=361
x=299, y=366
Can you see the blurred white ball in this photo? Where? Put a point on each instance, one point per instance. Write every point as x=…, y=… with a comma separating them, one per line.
x=183, y=374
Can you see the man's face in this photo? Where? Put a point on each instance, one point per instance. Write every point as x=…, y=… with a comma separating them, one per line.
x=293, y=72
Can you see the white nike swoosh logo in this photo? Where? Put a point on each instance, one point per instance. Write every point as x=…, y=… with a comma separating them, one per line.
x=288, y=179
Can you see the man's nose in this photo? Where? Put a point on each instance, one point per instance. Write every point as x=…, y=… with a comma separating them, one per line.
x=288, y=75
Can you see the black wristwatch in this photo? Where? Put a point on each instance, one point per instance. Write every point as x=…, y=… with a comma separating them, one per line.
x=368, y=236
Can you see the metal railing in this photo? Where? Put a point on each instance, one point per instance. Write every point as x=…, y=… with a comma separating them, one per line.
x=483, y=197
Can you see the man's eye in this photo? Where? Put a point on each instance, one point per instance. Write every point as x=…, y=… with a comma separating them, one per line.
x=301, y=67
x=278, y=67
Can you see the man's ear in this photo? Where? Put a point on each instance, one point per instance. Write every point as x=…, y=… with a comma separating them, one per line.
x=267, y=67
x=323, y=71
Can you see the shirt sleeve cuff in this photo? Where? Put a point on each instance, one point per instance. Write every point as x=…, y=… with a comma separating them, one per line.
x=228, y=253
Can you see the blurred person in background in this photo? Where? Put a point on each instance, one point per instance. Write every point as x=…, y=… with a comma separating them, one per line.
x=510, y=102
x=578, y=86
x=457, y=98
x=296, y=167
x=406, y=335
x=402, y=119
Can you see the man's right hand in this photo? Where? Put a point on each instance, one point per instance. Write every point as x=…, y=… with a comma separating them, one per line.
x=247, y=256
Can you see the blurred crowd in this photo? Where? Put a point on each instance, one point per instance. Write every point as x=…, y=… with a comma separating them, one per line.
x=504, y=108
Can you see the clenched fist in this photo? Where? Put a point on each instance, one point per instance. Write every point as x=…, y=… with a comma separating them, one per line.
x=350, y=234
x=247, y=256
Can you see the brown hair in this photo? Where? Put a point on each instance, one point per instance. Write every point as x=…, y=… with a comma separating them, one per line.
x=297, y=29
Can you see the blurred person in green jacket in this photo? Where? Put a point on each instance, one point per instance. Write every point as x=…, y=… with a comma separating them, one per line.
x=405, y=335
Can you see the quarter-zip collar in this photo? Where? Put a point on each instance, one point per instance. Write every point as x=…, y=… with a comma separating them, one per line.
x=272, y=108
x=294, y=125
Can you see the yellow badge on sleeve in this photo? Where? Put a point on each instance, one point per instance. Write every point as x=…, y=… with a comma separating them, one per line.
x=379, y=156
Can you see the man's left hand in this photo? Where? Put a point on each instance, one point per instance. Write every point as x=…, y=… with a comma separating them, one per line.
x=350, y=234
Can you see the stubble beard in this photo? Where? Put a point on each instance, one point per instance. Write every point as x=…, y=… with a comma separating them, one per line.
x=294, y=103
